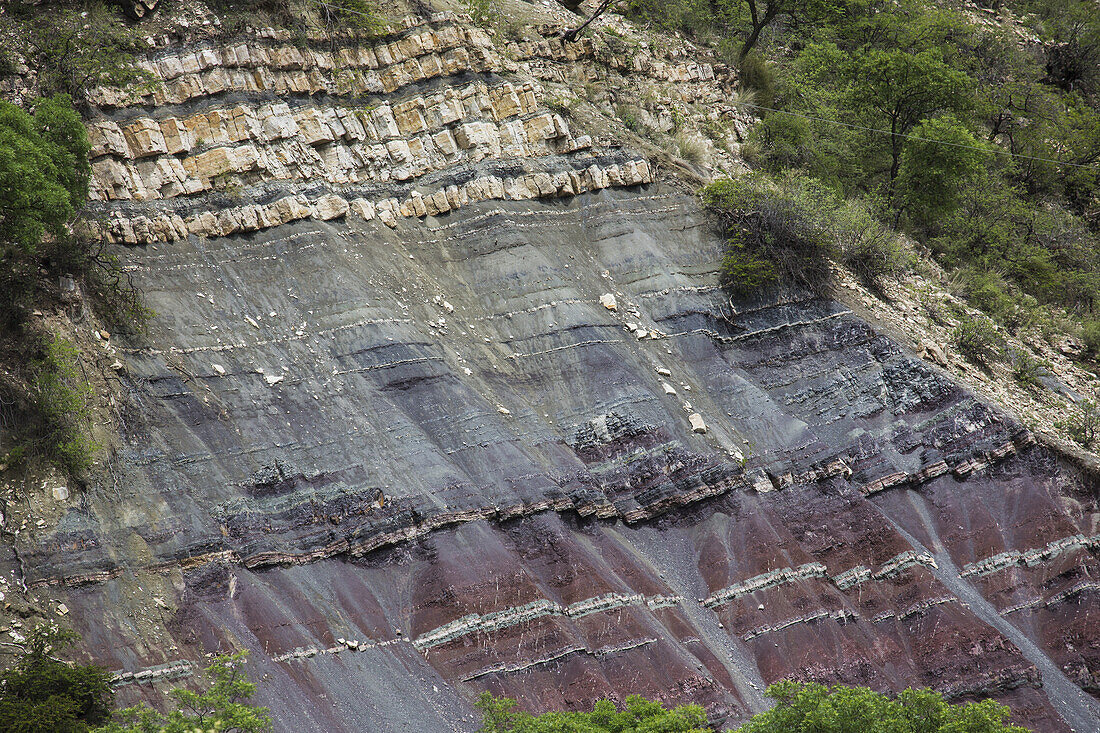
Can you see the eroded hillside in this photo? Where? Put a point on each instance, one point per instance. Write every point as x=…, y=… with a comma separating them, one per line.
x=443, y=396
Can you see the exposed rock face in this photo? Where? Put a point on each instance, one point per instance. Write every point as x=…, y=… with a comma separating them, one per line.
x=390, y=434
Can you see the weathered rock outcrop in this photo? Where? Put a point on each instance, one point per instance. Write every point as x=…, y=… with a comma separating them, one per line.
x=389, y=434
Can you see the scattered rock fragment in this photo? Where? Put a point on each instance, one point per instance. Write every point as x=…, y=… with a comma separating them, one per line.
x=697, y=423
x=607, y=300
x=218, y=369
x=931, y=351
x=669, y=389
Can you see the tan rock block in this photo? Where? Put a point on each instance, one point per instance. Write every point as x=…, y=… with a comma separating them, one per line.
x=445, y=143
x=144, y=138
x=354, y=129
x=330, y=206
x=455, y=61
x=384, y=122
x=409, y=117
x=190, y=63
x=276, y=122
x=287, y=58
x=505, y=102
x=431, y=66
x=170, y=67
x=473, y=134
x=112, y=179
x=204, y=224
x=541, y=128
x=312, y=127
x=455, y=197
x=176, y=138
x=227, y=222
x=362, y=208
x=399, y=151
x=387, y=212
x=209, y=164
x=107, y=138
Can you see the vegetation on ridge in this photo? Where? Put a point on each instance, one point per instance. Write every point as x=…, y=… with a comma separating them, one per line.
x=799, y=708
x=975, y=134
x=41, y=693
x=46, y=262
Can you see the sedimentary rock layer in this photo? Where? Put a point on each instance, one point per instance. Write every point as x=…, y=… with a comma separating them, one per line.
x=505, y=432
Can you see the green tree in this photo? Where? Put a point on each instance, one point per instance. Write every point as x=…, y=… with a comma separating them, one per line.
x=814, y=708
x=221, y=708
x=638, y=716
x=895, y=90
x=43, y=184
x=939, y=161
x=77, y=48
x=42, y=694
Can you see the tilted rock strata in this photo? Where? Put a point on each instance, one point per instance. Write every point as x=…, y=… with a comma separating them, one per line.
x=404, y=464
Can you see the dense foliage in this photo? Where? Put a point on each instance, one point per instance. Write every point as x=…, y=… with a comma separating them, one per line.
x=41, y=694
x=44, y=177
x=222, y=708
x=948, y=122
x=814, y=708
x=790, y=227
x=638, y=716
x=73, y=47
x=800, y=708
x=43, y=184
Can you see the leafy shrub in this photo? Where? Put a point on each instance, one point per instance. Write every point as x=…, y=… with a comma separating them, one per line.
x=976, y=339
x=485, y=13
x=773, y=232
x=43, y=695
x=639, y=714
x=44, y=175
x=59, y=396
x=788, y=228
x=628, y=115
x=988, y=291
x=814, y=707
x=222, y=707
x=1084, y=425
x=1026, y=369
x=1090, y=335
x=800, y=708
x=78, y=48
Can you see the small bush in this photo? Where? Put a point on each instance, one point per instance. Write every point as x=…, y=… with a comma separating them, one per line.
x=689, y=148
x=41, y=693
x=976, y=339
x=1026, y=369
x=59, y=396
x=1083, y=426
x=628, y=115
x=76, y=49
x=485, y=13
x=223, y=706
x=773, y=230
x=1090, y=335
x=788, y=228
